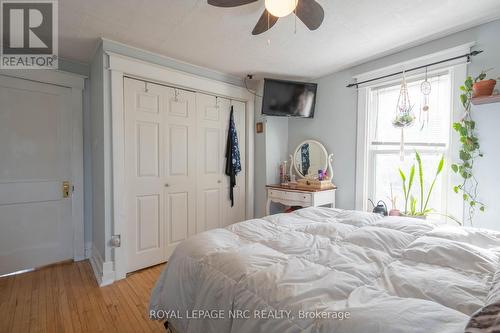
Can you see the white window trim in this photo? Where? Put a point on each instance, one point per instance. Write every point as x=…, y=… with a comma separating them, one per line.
x=458, y=73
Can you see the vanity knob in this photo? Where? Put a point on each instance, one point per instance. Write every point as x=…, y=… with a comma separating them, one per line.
x=167, y=185
x=219, y=181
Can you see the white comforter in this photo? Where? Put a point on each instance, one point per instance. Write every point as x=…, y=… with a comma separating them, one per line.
x=379, y=274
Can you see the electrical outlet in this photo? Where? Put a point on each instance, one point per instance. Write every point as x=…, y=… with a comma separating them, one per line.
x=116, y=241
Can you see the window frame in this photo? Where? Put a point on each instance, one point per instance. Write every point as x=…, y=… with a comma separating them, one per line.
x=393, y=148
x=365, y=171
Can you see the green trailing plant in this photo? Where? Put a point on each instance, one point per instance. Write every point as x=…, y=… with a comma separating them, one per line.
x=424, y=209
x=469, y=150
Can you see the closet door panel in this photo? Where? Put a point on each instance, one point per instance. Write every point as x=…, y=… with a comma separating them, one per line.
x=178, y=216
x=211, y=145
x=143, y=155
x=148, y=222
x=148, y=141
x=178, y=159
x=180, y=166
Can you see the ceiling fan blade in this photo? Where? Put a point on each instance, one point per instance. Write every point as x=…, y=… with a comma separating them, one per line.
x=265, y=23
x=229, y=3
x=311, y=13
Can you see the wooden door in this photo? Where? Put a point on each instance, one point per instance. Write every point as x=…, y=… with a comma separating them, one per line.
x=180, y=166
x=144, y=162
x=210, y=154
x=160, y=155
x=36, y=130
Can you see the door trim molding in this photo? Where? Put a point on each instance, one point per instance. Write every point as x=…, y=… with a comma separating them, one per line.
x=76, y=83
x=121, y=66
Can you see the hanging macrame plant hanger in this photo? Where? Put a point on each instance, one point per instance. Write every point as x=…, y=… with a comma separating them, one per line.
x=425, y=88
x=404, y=115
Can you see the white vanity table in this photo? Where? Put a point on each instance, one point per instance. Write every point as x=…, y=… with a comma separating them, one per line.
x=309, y=157
x=291, y=196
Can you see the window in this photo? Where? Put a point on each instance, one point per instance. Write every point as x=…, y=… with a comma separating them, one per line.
x=378, y=142
x=429, y=135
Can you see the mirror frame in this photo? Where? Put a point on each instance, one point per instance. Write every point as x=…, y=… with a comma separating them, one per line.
x=323, y=149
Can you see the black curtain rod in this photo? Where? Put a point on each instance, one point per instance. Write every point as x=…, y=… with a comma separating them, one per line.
x=468, y=55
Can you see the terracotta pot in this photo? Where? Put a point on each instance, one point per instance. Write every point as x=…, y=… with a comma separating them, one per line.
x=394, y=212
x=483, y=88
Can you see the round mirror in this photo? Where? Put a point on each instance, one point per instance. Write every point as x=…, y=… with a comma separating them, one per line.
x=310, y=156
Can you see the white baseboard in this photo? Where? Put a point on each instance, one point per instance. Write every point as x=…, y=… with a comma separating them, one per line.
x=88, y=250
x=103, y=271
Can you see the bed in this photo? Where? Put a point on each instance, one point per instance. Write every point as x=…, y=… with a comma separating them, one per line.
x=329, y=270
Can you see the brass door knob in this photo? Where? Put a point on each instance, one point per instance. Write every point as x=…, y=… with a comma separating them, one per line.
x=66, y=189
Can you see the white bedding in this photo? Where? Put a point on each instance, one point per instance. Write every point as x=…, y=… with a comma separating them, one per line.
x=389, y=274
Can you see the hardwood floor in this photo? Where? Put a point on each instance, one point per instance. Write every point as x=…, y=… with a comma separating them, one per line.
x=66, y=298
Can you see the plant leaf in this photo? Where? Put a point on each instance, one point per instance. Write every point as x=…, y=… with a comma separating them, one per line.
x=412, y=176
x=463, y=98
x=440, y=165
x=403, y=177
x=420, y=179
x=464, y=156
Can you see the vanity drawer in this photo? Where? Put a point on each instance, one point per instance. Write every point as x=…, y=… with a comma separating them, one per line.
x=297, y=196
x=290, y=196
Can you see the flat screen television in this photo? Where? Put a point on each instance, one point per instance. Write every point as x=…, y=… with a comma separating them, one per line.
x=288, y=98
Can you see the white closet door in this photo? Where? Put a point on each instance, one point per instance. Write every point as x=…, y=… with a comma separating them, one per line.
x=36, y=130
x=237, y=212
x=160, y=154
x=180, y=166
x=144, y=158
x=211, y=145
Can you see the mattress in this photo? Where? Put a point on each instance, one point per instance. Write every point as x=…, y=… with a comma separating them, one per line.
x=329, y=270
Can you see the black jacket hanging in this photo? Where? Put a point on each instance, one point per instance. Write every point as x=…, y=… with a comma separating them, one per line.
x=233, y=164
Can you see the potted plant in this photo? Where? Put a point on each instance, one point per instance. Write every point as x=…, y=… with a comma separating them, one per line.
x=405, y=119
x=414, y=207
x=483, y=87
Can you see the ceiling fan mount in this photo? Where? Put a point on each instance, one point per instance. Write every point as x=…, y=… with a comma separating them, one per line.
x=308, y=11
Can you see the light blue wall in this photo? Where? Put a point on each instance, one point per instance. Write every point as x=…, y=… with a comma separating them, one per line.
x=271, y=148
x=84, y=69
x=335, y=118
x=74, y=67
x=97, y=147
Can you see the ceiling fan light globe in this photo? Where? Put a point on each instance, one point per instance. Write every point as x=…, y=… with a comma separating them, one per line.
x=280, y=8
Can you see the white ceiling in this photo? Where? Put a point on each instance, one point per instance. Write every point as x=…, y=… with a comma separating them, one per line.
x=219, y=38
